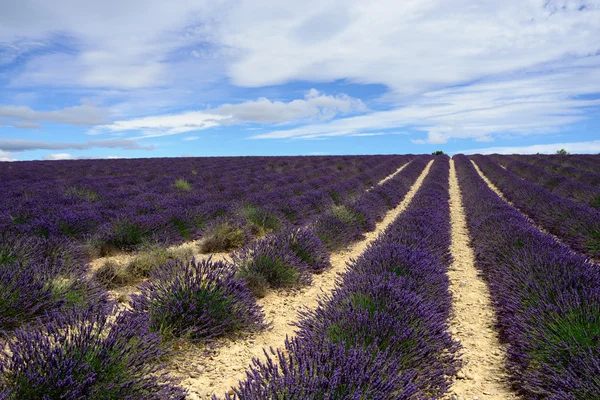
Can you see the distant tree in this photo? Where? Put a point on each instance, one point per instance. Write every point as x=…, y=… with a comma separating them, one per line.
x=437, y=153
x=562, y=152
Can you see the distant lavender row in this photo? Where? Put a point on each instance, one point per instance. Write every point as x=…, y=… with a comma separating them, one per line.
x=289, y=258
x=557, y=184
x=126, y=201
x=349, y=221
x=582, y=161
x=383, y=332
x=547, y=298
x=587, y=177
x=575, y=224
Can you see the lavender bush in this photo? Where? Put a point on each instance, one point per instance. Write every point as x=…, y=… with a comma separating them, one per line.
x=39, y=277
x=197, y=300
x=270, y=262
x=87, y=354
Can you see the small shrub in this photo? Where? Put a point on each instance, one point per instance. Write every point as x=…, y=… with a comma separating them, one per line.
x=223, y=237
x=198, y=301
x=126, y=235
x=562, y=152
x=182, y=184
x=39, y=289
x=438, y=153
x=260, y=219
x=86, y=355
x=22, y=297
x=277, y=264
x=308, y=248
x=152, y=255
x=82, y=193
x=338, y=228
x=111, y=275
x=256, y=282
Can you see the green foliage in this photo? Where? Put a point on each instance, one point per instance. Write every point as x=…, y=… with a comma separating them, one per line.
x=347, y=216
x=438, y=153
x=576, y=331
x=111, y=275
x=223, y=238
x=260, y=219
x=274, y=270
x=150, y=256
x=82, y=193
x=182, y=184
x=562, y=152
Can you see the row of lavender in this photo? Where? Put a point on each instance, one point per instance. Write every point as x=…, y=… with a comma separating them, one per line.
x=589, y=162
x=266, y=263
x=575, y=170
x=383, y=332
x=546, y=297
x=560, y=185
x=99, y=356
x=124, y=202
x=575, y=224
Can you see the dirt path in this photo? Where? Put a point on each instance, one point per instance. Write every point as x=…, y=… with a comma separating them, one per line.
x=473, y=321
x=204, y=374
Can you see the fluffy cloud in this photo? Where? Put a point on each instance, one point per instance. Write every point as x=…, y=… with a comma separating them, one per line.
x=314, y=106
x=6, y=156
x=519, y=105
x=17, y=145
x=163, y=125
x=82, y=115
x=59, y=156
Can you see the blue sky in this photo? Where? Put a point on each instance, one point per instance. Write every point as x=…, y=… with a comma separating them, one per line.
x=129, y=78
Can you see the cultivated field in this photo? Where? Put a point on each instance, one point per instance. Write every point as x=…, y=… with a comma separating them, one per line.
x=338, y=277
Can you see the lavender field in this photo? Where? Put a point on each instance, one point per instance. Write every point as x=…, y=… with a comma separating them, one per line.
x=314, y=277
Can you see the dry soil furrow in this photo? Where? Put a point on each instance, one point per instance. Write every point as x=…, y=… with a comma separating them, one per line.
x=204, y=374
x=473, y=320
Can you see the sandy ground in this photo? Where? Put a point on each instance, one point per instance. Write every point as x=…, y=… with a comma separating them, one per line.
x=472, y=324
x=216, y=372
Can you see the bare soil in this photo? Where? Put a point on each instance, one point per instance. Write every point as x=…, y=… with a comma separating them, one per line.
x=205, y=372
x=482, y=376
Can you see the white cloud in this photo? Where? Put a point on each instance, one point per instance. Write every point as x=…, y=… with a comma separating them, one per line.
x=520, y=105
x=454, y=69
x=572, y=147
x=59, y=156
x=6, y=156
x=409, y=46
x=314, y=106
x=17, y=145
x=123, y=44
x=191, y=138
x=163, y=125
x=85, y=114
